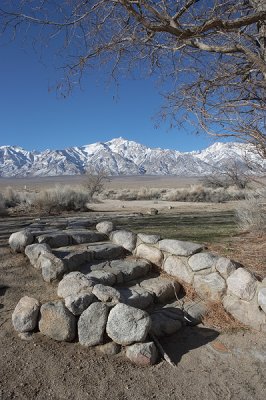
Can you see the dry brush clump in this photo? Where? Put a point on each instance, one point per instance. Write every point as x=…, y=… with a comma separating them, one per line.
x=195, y=193
x=61, y=198
x=3, y=208
x=251, y=214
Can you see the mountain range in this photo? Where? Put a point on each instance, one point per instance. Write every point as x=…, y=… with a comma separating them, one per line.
x=122, y=157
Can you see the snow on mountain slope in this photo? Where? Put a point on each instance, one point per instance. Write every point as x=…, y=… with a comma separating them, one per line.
x=120, y=157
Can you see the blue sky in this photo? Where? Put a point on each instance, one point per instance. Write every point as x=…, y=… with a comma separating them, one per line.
x=34, y=117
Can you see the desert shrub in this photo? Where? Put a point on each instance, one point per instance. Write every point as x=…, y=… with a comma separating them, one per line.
x=251, y=214
x=3, y=208
x=61, y=198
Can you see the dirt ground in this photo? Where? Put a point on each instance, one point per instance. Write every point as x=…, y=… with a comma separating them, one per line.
x=210, y=365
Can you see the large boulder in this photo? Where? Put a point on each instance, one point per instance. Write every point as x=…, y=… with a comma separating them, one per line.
x=166, y=321
x=92, y=323
x=86, y=236
x=74, y=283
x=106, y=251
x=225, y=266
x=202, y=262
x=53, y=268
x=105, y=227
x=179, y=248
x=136, y=296
x=127, y=325
x=163, y=289
x=77, y=303
x=57, y=322
x=142, y=354
x=150, y=253
x=19, y=240
x=242, y=284
x=75, y=259
x=130, y=269
x=56, y=239
x=124, y=238
x=33, y=252
x=103, y=277
x=246, y=312
x=178, y=267
x=106, y=294
x=25, y=315
x=210, y=287
x=149, y=239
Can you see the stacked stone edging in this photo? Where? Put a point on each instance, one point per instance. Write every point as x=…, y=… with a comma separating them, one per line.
x=91, y=309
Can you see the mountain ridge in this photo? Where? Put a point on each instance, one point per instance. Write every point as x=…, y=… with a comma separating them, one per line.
x=122, y=157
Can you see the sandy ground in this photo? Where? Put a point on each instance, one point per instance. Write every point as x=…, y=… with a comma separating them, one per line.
x=209, y=365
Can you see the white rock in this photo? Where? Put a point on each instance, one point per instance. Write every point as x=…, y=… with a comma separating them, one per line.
x=91, y=324
x=78, y=303
x=124, y=238
x=33, y=252
x=202, y=262
x=25, y=315
x=162, y=288
x=57, y=322
x=242, y=284
x=105, y=227
x=142, y=353
x=127, y=325
x=74, y=283
x=53, y=268
x=149, y=239
x=246, y=312
x=210, y=287
x=178, y=267
x=19, y=240
x=225, y=266
x=179, y=247
x=106, y=293
x=262, y=298
x=150, y=253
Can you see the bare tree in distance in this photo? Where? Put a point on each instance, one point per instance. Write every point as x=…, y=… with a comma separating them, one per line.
x=211, y=53
x=95, y=180
x=232, y=174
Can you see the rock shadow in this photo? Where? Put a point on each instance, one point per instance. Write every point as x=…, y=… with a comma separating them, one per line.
x=185, y=340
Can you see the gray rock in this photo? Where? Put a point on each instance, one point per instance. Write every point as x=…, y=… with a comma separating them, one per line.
x=162, y=288
x=74, y=283
x=33, y=252
x=53, y=268
x=166, y=321
x=153, y=211
x=109, y=349
x=124, y=238
x=103, y=277
x=203, y=262
x=106, y=251
x=131, y=269
x=105, y=227
x=75, y=259
x=142, y=354
x=78, y=303
x=242, y=284
x=179, y=248
x=57, y=322
x=246, y=312
x=92, y=323
x=57, y=239
x=149, y=239
x=106, y=294
x=136, y=296
x=77, y=223
x=150, y=253
x=225, y=266
x=127, y=325
x=262, y=298
x=210, y=287
x=86, y=236
x=178, y=267
x=195, y=311
x=25, y=315
x=19, y=240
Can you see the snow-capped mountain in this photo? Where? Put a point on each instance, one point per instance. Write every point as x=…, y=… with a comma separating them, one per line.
x=120, y=157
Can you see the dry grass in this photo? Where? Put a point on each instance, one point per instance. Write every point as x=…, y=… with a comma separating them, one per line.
x=251, y=214
x=195, y=193
x=216, y=317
